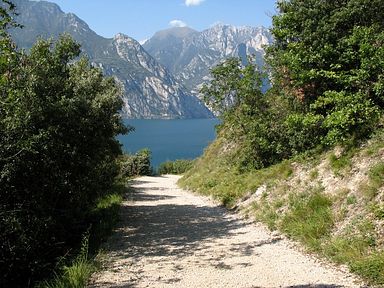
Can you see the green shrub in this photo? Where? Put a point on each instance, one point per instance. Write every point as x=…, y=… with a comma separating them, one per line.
x=103, y=218
x=136, y=165
x=179, y=166
x=59, y=118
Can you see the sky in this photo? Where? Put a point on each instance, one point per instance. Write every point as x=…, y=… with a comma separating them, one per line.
x=140, y=19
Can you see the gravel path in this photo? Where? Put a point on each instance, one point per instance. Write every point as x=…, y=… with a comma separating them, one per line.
x=171, y=238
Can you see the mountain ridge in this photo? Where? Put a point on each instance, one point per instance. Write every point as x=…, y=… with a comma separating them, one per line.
x=162, y=77
x=191, y=57
x=149, y=90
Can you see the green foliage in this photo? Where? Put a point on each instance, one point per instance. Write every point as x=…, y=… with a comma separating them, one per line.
x=179, y=166
x=76, y=274
x=136, y=165
x=328, y=70
x=343, y=162
x=347, y=115
x=370, y=188
x=247, y=116
x=58, y=122
x=328, y=57
x=7, y=9
x=309, y=218
x=104, y=217
x=371, y=267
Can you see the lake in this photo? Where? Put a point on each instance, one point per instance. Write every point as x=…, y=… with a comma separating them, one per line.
x=169, y=139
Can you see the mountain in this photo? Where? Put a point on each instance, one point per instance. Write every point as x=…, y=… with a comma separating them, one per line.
x=150, y=90
x=190, y=54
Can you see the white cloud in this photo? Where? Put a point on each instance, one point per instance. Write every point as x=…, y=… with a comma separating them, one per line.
x=177, y=23
x=193, y=2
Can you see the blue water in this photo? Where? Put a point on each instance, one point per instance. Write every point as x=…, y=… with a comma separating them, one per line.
x=169, y=139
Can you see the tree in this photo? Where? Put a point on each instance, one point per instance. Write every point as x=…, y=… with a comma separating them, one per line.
x=328, y=57
x=248, y=120
x=59, y=117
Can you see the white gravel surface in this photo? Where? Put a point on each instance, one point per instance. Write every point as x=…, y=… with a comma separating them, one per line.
x=172, y=238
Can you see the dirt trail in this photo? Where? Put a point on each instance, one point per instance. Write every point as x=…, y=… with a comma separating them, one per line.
x=171, y=238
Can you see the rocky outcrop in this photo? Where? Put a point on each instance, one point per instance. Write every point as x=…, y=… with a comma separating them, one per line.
x=150, y=91
x=190, y=54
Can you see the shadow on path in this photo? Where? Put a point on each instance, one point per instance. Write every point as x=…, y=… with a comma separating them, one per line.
x=155, y=226
x=168, y=229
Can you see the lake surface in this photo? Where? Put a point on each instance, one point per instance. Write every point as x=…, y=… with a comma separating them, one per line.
x=169, y=139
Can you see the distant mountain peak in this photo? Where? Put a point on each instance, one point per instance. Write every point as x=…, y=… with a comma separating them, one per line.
x=125, y=38
x=150, y=91
x=178, y=32
x=192, y=54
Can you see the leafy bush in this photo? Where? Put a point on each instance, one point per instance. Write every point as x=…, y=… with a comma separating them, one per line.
x=179, y=166
x=58, y=122
x=76, y=270
x=137, y=164
x=331, y=65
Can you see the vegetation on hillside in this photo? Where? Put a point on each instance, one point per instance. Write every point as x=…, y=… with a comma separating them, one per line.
x=326, y=65
x=58, y=122
x=178, y=166
x=276, y=152
x=137, y=164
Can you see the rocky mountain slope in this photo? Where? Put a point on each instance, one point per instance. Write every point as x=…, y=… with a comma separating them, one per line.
x=189, y=54
x=161, y=79
x=150, y=90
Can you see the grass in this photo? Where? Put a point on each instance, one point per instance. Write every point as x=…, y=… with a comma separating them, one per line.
x=343, y=163
x=309, y=218
x=351, y=200
x=76, y=274
x=357, y=248
x=214, y=176
x=340, y=224
x=376, y=175
x=375, y=181
x=266, y=213
x=371, y=267
x=314, y=174
x=378, y=211
x=104, y=217
x=179, y=166
x=376, y=144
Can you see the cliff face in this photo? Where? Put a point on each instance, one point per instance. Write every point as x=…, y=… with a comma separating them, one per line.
x=150, y=91
x=190, y=55
x=161, y=79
